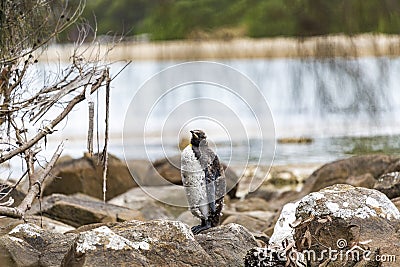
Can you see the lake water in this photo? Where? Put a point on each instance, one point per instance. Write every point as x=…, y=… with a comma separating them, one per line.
x=345, y=106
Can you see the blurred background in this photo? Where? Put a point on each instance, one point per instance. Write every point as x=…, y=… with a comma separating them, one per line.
x=224, y=19
x=329, y=70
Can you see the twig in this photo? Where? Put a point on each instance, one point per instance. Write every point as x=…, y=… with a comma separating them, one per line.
x=105, y=153
x=90, y=129
x=11, y=188
x=34, y=190
x=49, y=128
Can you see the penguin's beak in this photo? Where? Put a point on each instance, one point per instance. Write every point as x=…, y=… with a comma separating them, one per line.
x=194, y=134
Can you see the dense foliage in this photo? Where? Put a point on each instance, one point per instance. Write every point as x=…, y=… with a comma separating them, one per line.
x=179, y=19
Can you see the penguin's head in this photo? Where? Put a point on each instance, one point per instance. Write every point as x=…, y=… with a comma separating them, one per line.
x=197, y=137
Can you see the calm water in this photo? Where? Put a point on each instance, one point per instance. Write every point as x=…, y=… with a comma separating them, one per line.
x=346, y=106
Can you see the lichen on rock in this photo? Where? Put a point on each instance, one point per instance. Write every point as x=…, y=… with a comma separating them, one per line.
x=334, y=201
x=354, y=216
x=105, y=236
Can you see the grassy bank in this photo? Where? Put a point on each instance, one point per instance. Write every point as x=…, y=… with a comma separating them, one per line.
x=322, y=46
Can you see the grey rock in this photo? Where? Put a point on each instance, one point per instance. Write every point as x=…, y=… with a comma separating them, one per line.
x=396, y=202
x=255, y=222
x=343, y=218
x=7, y=224
x=282, y=177
x=132, y=243
x=84, y=175
x=160, y=243
x=48, y=224
x=250, y=204
x=263, y=257
x=252, y=224
x=362, y=171
x=227, y=244
x=170, y=198
x=17, y=253
x=138, y=199
x=389, y=184
x=365, y=180
x=188, y=218
x=339, y=171
x=78, y=210
x=30, y=245
x=16, y=193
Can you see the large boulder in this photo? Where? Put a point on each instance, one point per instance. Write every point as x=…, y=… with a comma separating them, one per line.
x=160, y=243
x=77, y=210
x=348, y=221
x=132, y=243
x=85, y=175
x=30, y=245
x=350, y=171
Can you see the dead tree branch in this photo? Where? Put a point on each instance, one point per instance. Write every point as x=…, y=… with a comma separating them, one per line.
x=34, y=190
x=32, y=108
x=48, y=129
x=105, y=153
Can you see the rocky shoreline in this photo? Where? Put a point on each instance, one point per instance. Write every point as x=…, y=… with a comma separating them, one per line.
x=349, y=206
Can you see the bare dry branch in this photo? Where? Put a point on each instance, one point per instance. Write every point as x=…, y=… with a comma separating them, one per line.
x=34, y=190
x=48, y=129
x=105, y=149
x=91, y=128
x=31, y=109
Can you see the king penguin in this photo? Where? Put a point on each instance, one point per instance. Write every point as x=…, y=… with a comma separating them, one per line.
x=204, y=181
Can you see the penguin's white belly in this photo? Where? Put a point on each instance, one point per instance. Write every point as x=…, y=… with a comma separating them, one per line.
x=194, y=182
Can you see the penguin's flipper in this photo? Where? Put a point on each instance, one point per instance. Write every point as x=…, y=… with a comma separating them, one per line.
x=210, y=188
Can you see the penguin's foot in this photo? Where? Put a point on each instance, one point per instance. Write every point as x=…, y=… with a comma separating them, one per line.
x=199, y=228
